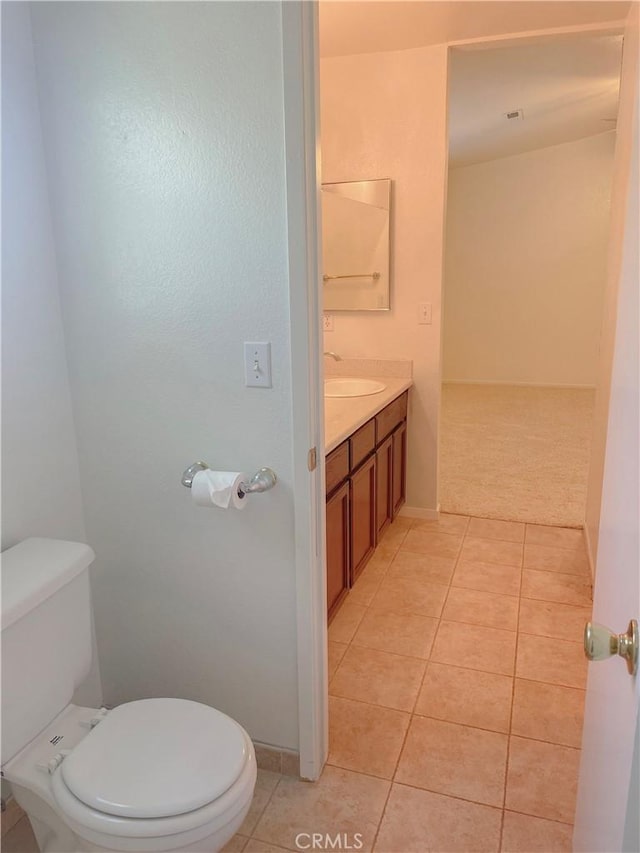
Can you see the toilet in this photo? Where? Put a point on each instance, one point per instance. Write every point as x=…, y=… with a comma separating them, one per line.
x=152, y=775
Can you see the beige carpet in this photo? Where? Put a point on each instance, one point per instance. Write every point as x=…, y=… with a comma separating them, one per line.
x=520, y=454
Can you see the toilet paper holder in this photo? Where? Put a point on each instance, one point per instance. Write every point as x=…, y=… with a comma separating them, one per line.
x=262, y=480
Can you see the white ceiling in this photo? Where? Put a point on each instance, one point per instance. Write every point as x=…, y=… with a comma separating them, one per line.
x=567, y=89
x=365, y=27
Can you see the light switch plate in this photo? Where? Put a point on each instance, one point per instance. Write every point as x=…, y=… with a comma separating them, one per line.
x=424, y=314
x=257, y=364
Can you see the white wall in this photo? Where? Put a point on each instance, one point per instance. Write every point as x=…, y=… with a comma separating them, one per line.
x=40, y=481
x=526, y=248
x=384, y=116
x=165, y=146
x=619, y=196
x=41, y=493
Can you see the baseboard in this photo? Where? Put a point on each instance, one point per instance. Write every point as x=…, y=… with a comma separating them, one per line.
x=419, y=512
x=563, y=385
x=285, y=761
x=587, y=544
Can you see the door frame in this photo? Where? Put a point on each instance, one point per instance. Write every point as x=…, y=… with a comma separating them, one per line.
x=300, y=56
x=302, y=167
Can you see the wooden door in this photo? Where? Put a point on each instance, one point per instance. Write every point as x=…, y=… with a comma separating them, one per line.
x=363, y=515
x=338, y=550
x=399, y=477
x=384, y=485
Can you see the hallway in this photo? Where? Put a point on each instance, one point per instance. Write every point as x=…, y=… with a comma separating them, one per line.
x=516, y=452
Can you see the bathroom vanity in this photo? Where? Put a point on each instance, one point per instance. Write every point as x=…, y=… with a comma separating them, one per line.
x=365, y=480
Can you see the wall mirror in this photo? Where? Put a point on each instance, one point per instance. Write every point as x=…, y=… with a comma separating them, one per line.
x=355, y=245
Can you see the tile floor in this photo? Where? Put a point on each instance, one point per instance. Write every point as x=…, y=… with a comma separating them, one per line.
x=456, y=698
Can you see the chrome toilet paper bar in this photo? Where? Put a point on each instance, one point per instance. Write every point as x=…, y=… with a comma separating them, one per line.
x=262, y=480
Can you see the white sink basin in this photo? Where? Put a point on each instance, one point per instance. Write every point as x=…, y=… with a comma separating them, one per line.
x=352, y=387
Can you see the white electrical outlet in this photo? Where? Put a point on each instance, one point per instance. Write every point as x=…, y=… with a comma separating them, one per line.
x=327, y=322
x=257, y=365
x=424, y=313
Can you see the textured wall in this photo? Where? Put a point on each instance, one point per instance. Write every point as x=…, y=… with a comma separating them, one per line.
x=40, y=480
x=164, y=134
x=526, y=265
x=384, y=116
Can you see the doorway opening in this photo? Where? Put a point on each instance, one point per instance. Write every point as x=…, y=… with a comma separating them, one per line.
x=531, y=151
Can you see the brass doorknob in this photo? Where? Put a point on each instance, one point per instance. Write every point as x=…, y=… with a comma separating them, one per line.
x=601, y=643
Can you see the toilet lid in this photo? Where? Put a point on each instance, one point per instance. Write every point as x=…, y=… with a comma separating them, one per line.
x=156, y=758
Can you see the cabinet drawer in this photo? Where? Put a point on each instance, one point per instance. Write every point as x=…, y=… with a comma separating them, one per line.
x=363, y=442
x=390, y=417
x=337, y=466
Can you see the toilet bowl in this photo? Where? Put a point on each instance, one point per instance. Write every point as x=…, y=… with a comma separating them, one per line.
x=149, y=775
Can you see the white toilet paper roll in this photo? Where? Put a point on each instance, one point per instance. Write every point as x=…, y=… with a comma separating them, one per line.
x=218, y=488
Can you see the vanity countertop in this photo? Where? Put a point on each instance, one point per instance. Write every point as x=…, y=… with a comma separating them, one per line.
x=343, y=415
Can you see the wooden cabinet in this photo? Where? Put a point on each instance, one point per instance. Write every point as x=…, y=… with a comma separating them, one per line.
x=366, y=486
x=384, y=492
x=363, y=515
x=399, y=467
x=338, y=547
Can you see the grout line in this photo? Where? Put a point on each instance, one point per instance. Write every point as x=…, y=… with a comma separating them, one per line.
x=513, y=696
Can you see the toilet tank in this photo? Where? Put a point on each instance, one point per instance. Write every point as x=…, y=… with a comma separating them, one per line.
x=46, y=634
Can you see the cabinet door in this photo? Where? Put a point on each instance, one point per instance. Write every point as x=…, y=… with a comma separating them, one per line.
x=399, y=477
x=338, y=550
x=384, y=485
x=363, y=515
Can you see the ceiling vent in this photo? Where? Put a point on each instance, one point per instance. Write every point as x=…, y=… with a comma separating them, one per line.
x=515, y=115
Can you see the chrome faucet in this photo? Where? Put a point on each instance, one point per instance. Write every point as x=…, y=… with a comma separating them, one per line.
x=333, y=355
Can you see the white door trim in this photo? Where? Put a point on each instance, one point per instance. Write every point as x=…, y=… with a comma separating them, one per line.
x=300, y=81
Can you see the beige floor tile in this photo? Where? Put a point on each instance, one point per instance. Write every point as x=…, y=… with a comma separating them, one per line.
x=524, y=834
x=558, y=537
x=365, y=588
x=336, y=653
x=20, y=838
x=381, y=558
x=405, y=595
x=395, y=534
x=552, y=661
x=481, y=608
x=487, y=577
x=365, y=738
x=425, y=567
x=446, y=523
x=418, y=821
x=492, y=551
x=345, y=622
x=400, y=633
x=377, y=677
x=550, y=559
x=236, y=845
x=542, y=779
x=487, y=528
x=341, y=801
x=265, y=786
x=548, y=712
x=549, y=619
x=457, y=760
x=476, y=647
x=255, y=846
x=466, y=696
x=553, y=586
x=432, y=542
x=11, y=815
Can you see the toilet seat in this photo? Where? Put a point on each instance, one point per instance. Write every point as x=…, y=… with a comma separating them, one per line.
x=156, y=758
x=216, y=770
